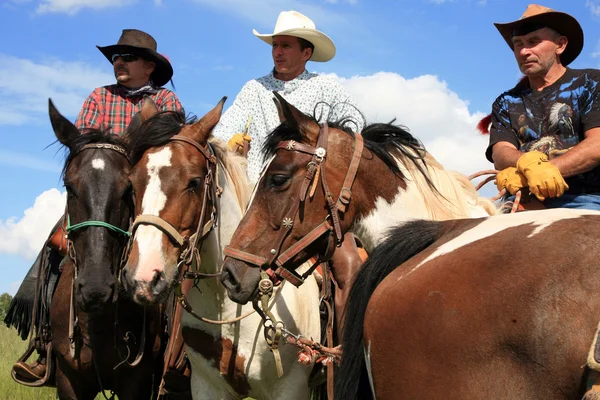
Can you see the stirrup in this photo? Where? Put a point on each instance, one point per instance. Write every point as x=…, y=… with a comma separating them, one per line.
x=49, y=368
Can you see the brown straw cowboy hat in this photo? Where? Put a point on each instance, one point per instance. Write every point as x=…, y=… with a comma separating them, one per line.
x=142, y=44
x=537, y=17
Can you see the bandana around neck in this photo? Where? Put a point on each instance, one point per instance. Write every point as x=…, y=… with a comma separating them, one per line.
x=148, y=88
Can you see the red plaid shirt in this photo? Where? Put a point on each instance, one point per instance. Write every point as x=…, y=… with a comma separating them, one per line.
x=107, y=108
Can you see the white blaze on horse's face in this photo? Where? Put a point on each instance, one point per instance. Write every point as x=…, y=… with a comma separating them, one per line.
x=149, y=238
x=98, y=163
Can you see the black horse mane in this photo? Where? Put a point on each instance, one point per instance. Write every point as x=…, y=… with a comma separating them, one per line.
x=385, y=140
x=401, y=243
x=156, y=131
x=91, y=136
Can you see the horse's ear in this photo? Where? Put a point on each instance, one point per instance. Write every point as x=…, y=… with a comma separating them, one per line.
x=64, y=130
x=202, y=129
x=134, y=125
x=290, y=114
x=284, y=109
x=149, y=108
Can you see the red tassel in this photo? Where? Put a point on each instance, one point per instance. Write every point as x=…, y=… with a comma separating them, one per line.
x=484, y=125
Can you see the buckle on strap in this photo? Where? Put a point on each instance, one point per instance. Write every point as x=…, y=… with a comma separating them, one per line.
x=345, y=196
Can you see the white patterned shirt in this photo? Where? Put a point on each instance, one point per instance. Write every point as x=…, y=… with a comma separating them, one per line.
x=304, y=92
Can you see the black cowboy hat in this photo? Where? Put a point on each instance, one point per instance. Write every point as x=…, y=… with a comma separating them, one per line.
x=142, y=44
x=536, y=15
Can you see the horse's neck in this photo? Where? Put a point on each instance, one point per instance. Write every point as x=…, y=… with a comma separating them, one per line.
x=229, y=215
x=417, y=201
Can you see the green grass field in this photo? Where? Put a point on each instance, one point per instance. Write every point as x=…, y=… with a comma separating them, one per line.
x=11, y=348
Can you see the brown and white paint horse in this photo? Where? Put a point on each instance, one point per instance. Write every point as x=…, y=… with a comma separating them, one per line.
x=229, y=361
x=395, y=182
x=495, y=308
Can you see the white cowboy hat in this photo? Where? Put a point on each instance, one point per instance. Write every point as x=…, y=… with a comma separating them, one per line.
x=292, y=23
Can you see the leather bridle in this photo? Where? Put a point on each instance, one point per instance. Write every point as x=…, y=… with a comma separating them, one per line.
x=74, y=329
x=188, y=244
x=275, y=264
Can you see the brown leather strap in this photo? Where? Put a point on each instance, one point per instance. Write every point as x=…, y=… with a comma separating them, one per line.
x=315, y=169
x=243, y=256
x=346, y=192
x=331, y=204
x=204, y=150
x=174, y=357
x=287, y=274
x=303, y=243
x=58, y=238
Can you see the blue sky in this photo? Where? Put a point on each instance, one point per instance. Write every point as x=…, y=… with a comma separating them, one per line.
x=435, y=65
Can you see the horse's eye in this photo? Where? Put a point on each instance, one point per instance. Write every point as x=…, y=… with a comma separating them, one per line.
x=194, y=184
x=279, y=180
x=70, y=190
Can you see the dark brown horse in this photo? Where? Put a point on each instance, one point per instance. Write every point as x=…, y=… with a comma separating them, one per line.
x=498, y=308
x=97, y=332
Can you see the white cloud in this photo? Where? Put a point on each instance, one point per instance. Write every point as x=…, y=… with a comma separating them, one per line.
x=26, y=235
x=72, y=7
x=26, y=85
x=430, y=110
x=594, y=7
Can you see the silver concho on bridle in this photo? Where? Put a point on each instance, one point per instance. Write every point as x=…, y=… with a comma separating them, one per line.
x=287, y=223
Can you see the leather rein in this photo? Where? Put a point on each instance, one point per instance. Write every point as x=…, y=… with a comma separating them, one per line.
x=275, y=263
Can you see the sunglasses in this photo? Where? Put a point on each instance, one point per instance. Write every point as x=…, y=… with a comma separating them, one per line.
x=125, y=57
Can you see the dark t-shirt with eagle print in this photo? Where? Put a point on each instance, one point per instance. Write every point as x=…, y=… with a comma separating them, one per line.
x=551, y=120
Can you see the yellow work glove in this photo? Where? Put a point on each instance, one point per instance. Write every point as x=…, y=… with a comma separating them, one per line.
x=543, y=177
x=236, y=143
x=510, y=179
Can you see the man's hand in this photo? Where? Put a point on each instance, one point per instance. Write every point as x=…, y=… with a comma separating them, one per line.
x=236, y=143
x=510, y=179
x=543, y=177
